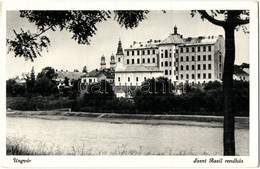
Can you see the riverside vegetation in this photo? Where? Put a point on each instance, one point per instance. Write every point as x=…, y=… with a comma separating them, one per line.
x=41, y=93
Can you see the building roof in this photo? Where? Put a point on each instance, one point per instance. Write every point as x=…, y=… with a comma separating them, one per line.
x=246, y=70
x=138, y=68
x=173, y=39
x=239, y=71
x=70, y=75
x=95, y=73
x=144, y=45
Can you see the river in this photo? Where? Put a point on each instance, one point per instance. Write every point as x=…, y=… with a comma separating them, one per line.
x=101, y=137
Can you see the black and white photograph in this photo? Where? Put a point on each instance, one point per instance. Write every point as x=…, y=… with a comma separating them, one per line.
x=147, y=83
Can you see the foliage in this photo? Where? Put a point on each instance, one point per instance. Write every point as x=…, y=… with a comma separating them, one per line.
x=14, y=89
x=82, y=25
x=49, y=72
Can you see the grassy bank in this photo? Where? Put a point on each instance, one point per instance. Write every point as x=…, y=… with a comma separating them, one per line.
x=14, y=147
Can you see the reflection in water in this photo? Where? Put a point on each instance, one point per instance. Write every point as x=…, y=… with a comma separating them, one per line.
x=108, y=137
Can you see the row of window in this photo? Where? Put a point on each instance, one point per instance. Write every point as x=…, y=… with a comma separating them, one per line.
x=165, y=54
x=166, y=72
x=129, y=79
x=193, y=76
x=166, y=63
x=138, y=52
x=204, y=58
x=138, y=61
x=204, y=66
x=192, y=49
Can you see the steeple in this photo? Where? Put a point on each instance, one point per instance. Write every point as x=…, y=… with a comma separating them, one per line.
x=119, y=48
x=103, y=62
x=112, y=61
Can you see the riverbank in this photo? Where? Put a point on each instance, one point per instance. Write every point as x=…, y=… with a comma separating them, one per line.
x=196, y=120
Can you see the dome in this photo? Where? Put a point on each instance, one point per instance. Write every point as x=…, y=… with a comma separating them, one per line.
x=112, y=57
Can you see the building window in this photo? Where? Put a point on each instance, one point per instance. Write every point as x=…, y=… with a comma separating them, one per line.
x=118, y=59
x=193, y=49
x=176, y=68
x=161, y=64
x=192, y=67
x=148, y=52
x=128, y=79
x=127, y=61
x=148, y=60
x=166, y=63
x=209, y=66
x=204, y=66
x=181, y=67
x=198, y=67
x=166, y=72
x=170, y=63
x=137, y=79
x=193, y=76
x=133, y=61
x=90, y=80
x=187, y=58
x=144, y=78
x=198, y=58
x=176, y=59
x=177, y=50
x=187, y=67
x=204, y=75
x=181, y=59
x=209, y=75
x=204, y=57
x=170, y=55
x=153, y=51
x=204, y=48
x=161, y=55
x=143, y=52
x=187, y=76
x=143, y=60
x=118, y=79
x=138, y=61
x=127, y=53
x=187, y=49
x=209, y=47
x=133, y=53
x=198, y=48
x=94, y=80
x=209, y=57
x=166, y=53
x=198, y=76
x=220, y=58
x=220, y=67
x=170, y=72
x=177, y=78
x=181, y=50
x=138, y=52
x=153, y=60
x=193, y=58
x=220, y=76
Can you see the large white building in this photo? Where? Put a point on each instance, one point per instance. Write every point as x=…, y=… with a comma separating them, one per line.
x=193, y=60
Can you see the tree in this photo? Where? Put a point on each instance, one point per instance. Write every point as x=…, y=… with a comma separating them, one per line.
x=49, y=72
x=30, y=81
x=82, y=24
x=233, y=20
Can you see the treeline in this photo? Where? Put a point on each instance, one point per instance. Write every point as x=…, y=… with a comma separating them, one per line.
x=155, y=96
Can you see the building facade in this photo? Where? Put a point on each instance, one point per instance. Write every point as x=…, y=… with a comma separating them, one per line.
x=193, y=60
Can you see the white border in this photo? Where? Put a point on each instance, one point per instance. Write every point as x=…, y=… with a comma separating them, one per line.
x=137, y=161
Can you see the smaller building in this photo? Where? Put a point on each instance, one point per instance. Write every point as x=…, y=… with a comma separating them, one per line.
x=96, y=76
x=241, y=74
x=71, y=76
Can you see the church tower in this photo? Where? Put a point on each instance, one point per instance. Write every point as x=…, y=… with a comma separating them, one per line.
x=103, y=62
x=112, y=62
x=119, y=55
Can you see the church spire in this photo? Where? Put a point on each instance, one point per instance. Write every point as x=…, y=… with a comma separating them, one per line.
x=119, y=48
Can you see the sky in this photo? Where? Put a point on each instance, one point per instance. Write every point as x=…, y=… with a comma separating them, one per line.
x=66, y=54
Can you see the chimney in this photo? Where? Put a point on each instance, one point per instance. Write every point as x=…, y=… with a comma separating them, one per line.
x=61, y=70
x=134, y=42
